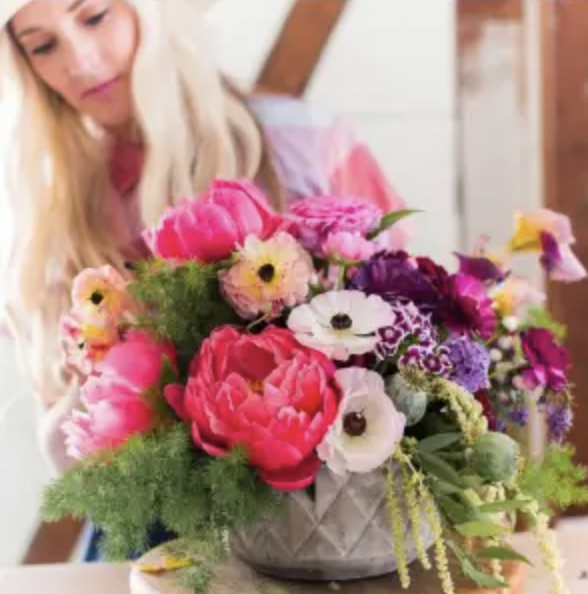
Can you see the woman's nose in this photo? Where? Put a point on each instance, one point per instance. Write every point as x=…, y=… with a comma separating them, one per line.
x=82, y=60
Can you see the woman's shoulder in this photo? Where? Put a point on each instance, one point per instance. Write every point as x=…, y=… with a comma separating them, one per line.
x=275, y=110
x=307, y=141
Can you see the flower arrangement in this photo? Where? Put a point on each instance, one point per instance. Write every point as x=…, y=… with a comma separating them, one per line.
x=254, y=349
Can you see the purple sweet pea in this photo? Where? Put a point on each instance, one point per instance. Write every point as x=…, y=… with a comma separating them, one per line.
x=480, y=268
x=548, y=361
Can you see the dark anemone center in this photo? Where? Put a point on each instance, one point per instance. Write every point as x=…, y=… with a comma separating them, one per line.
x=341, y=322
x=355, y=424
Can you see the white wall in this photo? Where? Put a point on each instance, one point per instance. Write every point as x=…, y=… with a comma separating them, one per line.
x=390, y=67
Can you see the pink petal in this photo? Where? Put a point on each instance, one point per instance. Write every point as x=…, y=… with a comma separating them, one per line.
x=569, y=269
x=293, y=479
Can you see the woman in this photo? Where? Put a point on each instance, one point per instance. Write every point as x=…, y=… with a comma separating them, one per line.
x=119, y=112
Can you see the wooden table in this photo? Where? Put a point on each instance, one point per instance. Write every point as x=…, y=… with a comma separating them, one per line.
x=114, y=579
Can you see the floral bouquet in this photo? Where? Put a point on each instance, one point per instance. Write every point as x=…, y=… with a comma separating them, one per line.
x=255, y=353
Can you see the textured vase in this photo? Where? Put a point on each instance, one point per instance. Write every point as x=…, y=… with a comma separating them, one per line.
x=340, y=533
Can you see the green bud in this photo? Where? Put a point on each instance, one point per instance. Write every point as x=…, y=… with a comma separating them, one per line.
x=494, y=457
x=407, y=399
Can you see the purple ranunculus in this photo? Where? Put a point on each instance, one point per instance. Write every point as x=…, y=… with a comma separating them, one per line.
x=548, y=362
x=397, y=277
x=470, y=362
x=470, y=310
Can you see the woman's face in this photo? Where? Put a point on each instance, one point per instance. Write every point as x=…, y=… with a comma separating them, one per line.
x=83, y=50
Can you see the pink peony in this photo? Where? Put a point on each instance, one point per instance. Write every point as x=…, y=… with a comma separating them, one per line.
x=265, y=392
x=210, y=229
x=316, y=218
x=344, y=245
x=116, y=401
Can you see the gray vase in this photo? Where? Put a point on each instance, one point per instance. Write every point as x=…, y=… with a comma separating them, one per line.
x=341, y=533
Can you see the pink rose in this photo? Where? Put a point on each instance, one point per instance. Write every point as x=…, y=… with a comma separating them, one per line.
x=348, y=246
x=209, y=229
x=116, y=401
x=265, y=392
x=316, y=218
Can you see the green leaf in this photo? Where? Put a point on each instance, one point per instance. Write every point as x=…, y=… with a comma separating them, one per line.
x=438, y=442
x=503, y=506
x=391, y=219
x=439, y=468
x=457, y=512
x=480, y=578
x=503, y=554
x=484, y=580
x=480, y=529
x=442, y=488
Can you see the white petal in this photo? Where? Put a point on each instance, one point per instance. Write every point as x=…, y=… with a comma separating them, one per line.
x=335, y=351
x=301, y=319
x=370, y=314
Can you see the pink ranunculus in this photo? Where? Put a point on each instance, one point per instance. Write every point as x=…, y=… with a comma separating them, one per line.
x=316, y=218
x=116, y=401
x=345, y=245
x=548, y=362
x=264, y=392
x=210, y=228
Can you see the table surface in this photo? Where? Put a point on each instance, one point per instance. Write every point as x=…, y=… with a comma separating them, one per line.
x=114, y=579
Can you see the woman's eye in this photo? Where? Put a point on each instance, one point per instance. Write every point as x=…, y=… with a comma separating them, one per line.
x=43, y=49
x=96, y=19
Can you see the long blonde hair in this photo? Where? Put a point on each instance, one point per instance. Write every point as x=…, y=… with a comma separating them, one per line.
x=197, y=128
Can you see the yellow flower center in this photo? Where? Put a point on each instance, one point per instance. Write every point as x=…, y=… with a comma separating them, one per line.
x=255, y=386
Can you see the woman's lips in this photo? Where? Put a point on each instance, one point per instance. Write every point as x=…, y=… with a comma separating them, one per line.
x=101, y=90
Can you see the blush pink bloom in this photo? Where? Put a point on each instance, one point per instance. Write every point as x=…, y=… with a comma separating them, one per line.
x=316, y=218
x=100, y=297
x=116, y=402
x=351, y=247
x=268, y=276
x=266, y=393
x=210, y=228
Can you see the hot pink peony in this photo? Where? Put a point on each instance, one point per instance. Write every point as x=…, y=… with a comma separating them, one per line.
x=265, y=392
x=210, y=229
x=116, y=405
x=316, y=218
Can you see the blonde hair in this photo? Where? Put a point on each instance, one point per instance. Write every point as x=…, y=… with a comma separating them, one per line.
x=57, y=177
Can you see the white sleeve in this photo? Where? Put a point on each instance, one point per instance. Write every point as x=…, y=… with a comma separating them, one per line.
x=51, y=437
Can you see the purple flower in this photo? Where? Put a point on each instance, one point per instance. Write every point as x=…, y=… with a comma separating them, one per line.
x=396, y=277
x=548, y=362
x=414, y=357
x=470, y=362
x=481, y=268
x=470, y=309
x=409, y=324
x=559, y=422
x=520, y=416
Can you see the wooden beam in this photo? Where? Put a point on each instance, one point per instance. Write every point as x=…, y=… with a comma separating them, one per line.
x=300, y=45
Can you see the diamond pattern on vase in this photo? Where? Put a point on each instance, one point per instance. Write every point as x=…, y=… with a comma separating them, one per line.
x=347, y=521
